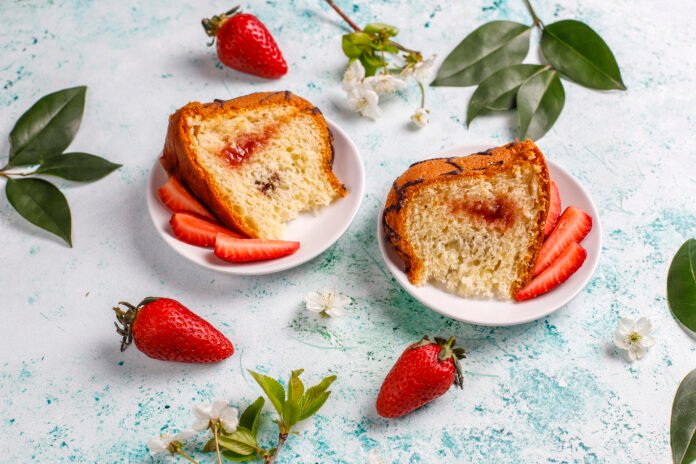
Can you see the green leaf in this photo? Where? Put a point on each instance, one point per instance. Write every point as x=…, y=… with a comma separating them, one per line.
x=381, y=28
x=209, y=446
x=499, y=90
x=491, y=47
x=241, y=441
x=371, y=63
x=683, y=426
x=80, y=167
x=539, y=102
x=47, y=128
x=42, y=204
x=314, y=397
x=236, y=457
x=581, y=55
x=355, y=44
x=250, y=417
x=291, y=413
x=273, y=390
x=295, y=386
x=681, y=285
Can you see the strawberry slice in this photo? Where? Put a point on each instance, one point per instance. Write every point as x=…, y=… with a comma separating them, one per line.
x=237, y=250
x=554, y=210
x=196, y=230
x=573, y=226
x=561, y=269
x=177, y=199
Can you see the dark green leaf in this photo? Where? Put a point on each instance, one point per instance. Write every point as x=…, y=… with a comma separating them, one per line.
x=80, y=167
x=47, y=128
x=355, y=44
x=681, y=285
x=291, y=413
x=539, y=102
x=295, y=385
x=581, y=55
x=683, y=426
x=491, y=47
x=250, y=416
x=241, y=441
x=273, y=390
x=42, y=204
x=371, y=63
x=381, y=28
x=499, y=90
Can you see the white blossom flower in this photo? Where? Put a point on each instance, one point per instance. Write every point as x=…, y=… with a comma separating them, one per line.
x=420, y=117
x=353, y=76
x=422, y=71
x=327, y=302
x=634, y=337
x=219, y=411
x=363, y=99
x=385, y=83
x=162, y=443
x=374, y=457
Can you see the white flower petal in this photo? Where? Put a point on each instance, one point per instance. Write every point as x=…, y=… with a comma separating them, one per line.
x=201, y=411
x=643, y=326
x=184, y=435
x=374, y=457
x=385, y=83
x=620, y=340
x=353, y=76
x=420, y=117
x=423, y=71
x=335, y=312
x=314, y=302
x=200, y=425
x=341, y=301
x=647, y=341
x=636, y=352
x=626, y=325
x=218, y=407
x=159, y=444
x=229, y=418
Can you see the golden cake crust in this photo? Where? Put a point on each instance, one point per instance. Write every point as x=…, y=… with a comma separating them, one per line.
x=440, y=170
x=179, y=161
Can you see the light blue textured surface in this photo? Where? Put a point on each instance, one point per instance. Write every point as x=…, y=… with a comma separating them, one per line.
x=551, y=391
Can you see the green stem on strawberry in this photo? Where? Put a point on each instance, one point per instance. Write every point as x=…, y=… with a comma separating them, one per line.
x=127, y=318
x=213, y=24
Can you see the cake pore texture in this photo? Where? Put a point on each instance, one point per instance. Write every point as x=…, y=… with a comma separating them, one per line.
x=472, y=225
x=256, y=161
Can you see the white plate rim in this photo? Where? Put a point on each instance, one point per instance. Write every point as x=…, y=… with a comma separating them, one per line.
x=525, y=317
x=357, y=188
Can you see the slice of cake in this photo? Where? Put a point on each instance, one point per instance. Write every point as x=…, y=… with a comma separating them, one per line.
x=256, y=161
x=473, y=225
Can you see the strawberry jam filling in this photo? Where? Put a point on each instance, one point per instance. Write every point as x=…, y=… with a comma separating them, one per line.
x=499, y=212
x=243, y=147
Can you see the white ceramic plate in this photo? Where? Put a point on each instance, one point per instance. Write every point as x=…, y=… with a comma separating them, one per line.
x=315, y=233
x=501, y=313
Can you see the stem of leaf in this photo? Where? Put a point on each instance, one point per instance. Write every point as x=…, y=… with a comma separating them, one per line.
x=186, y=456
x=344, y=16
x=217, y=443
x=422, y=91
x=537, y=21
x=282, y=437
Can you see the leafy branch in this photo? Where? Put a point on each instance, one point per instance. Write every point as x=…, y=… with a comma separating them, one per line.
x=492, y=55
x=38, y=140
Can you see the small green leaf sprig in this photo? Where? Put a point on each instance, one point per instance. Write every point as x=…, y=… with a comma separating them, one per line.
x=237, y=440
x=681, y=285
x=380, y=66
x=38, y=141
x=491, y=57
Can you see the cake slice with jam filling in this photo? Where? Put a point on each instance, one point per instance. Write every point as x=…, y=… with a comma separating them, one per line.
x=256, y=161
x=473, y=224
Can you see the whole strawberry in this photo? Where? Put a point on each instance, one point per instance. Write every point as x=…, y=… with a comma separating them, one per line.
x=425, y=371
x=164, y=329
x=244, y=44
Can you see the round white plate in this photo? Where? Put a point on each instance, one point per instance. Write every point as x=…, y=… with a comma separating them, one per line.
x=315, y=232
x=501, y=313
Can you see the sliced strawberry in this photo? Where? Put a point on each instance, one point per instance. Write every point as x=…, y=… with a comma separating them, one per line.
x=196, y=230
x=554, y=210
x=573, y=226
x=177, y=199
x=237, y=250
x=561, y=269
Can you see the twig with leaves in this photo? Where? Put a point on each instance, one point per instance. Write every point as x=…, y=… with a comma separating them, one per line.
x=380, y=66
x=235, y=438
x=491, y=57
x=37, y=143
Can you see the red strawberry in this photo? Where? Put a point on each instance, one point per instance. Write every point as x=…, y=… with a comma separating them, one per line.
x=244, y=44
x=573, y=226
x=561, y=269
x=554, y=210
x=177, y=198
x=164, y=329
x=237, y=250
x=425, y=371
x=195, y=230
